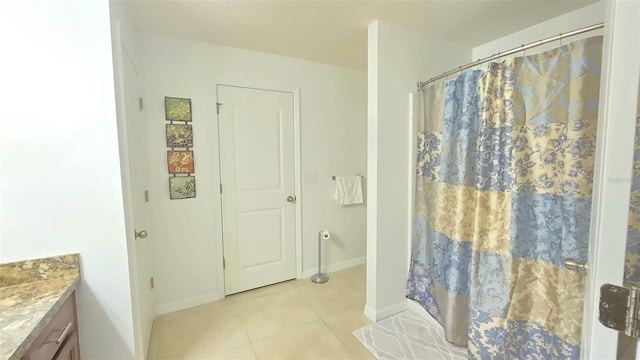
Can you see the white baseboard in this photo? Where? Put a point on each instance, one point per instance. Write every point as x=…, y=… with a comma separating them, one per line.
x=188, y=303
x=377, y=315
x=417, y=309
x=335, y=266
x=370, y=313
x=391, y=310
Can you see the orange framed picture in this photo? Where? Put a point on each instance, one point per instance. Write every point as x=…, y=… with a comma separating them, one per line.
x=180, y=161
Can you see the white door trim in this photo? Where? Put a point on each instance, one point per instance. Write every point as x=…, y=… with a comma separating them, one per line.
x=297, y=152
x=297, y=173
x=121, y=119
x=215, y=137
x=613, y=170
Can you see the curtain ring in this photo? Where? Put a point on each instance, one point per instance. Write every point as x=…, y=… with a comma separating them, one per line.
x=522, y=50
x=560, y=39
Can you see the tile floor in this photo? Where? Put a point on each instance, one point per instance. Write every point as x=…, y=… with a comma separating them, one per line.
x=296, y=319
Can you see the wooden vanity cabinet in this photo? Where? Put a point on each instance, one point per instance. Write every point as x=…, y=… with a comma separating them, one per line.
x=59, y=338
x=70, y=349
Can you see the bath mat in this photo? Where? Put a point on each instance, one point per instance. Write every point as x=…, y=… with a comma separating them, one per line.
x=407, y=336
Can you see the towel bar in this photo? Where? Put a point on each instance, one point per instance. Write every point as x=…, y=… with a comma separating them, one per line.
x=334, y=177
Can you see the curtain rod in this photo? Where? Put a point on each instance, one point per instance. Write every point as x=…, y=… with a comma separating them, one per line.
x=422, y=84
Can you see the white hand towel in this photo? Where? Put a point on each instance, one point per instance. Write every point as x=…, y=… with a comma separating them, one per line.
x=348, y=190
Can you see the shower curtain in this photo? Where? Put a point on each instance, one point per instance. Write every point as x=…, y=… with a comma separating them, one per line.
x=632, y=255
x=505, y=161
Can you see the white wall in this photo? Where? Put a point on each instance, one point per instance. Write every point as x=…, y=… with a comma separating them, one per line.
x=588, y=15
x=127, y=29
x=60, y=170
x=398, y=58
x=186, y=233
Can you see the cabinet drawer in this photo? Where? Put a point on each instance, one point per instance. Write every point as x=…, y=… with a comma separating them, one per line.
x=62, y=326
x=69, y=349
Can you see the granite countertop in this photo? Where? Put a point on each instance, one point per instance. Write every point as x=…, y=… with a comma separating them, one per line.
x=31, y=292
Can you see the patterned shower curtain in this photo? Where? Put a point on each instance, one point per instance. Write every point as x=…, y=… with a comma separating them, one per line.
x=505, y=165
x=632, y=258
x=632, y=255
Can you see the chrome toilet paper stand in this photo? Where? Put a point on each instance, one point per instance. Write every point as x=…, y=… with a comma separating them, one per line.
x=319, y=277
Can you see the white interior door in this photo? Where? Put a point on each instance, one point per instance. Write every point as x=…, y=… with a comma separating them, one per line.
x=614, y=161
x=258, y=192
x=136, y=142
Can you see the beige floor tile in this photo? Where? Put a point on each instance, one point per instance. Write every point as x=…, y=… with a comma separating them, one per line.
x=300, y=282
x=310, y=341
x=357, y=350
x=238, y=352
x=256, y=293
x=209, y=352
x=198, y=335
x=345, y=272
x=358, y=277
x=282, y=320
x=343, y=324
x=196, y=309
x=154, y=342
x=337, y=295
x=270, y=314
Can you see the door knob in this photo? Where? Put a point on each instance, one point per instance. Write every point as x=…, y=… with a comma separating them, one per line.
x=573, y=264
x=141, y=234
x=291, y=198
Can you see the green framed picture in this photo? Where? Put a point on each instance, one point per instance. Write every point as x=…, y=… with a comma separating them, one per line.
x=177, y=109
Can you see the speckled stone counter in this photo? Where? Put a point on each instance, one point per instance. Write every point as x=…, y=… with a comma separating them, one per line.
x=31, y=292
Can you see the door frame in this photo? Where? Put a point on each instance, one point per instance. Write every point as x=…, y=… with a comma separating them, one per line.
x=119, y=49
x=297, y=151
x=613, y=176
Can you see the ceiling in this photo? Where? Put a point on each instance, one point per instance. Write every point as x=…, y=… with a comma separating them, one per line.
x=333, y=31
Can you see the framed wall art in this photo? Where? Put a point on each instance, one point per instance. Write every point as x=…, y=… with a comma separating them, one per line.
x=182, y=187
x=177, y=109
x=180, y=161
x=179, y=135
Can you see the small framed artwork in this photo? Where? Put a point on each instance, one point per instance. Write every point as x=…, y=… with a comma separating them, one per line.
x=180, y=162
x=182, y=187
x=177, y=109
x=179, y=135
